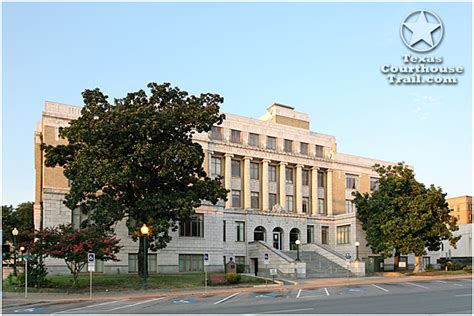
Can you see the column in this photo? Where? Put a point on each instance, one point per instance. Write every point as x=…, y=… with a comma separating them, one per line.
x=247, y=182
x=329, y=191
x=264, y=184
x=227, y=178
x=206, y=163
x=299, y=189
x=314, y=191
x=282, y=185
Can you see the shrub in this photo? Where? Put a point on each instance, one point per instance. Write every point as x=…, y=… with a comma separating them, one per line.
x=454, y=265
x=467, y=269
x=429, y=267
x=240, y=268
x=233, y=278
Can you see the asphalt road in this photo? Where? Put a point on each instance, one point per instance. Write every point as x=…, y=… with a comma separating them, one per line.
x=430, y=297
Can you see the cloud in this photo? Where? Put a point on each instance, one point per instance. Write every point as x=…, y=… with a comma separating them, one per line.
x=423, y=104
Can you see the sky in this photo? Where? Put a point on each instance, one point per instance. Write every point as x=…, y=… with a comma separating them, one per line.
x=323, y=59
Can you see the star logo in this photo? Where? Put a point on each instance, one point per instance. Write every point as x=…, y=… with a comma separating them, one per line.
x=421, y=31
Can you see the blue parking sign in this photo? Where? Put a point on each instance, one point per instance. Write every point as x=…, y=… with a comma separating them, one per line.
x=90, y=257
x=206, y=259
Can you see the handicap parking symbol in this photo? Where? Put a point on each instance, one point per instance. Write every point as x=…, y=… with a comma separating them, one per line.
x=265, y=296
x=183, y=302
x=31, y=310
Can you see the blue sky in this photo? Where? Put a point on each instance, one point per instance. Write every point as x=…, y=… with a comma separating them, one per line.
x=323, y=59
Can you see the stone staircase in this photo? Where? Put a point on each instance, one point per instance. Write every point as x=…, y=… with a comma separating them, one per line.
x=321, y=266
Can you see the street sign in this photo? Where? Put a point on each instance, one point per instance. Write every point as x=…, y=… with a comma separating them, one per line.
x=206, y=259
x=348, y=256
x=273, y=271
x=90, y=257
x=91, y=267
x=266, y=258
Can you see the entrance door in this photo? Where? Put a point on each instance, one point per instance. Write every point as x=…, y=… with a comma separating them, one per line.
x=324, y=235
x=277, y=240
x=255, y=265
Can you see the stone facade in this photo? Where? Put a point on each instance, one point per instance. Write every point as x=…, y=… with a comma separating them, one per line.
x=315, y=198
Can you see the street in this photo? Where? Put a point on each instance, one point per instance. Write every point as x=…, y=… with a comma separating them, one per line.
x=434, y=296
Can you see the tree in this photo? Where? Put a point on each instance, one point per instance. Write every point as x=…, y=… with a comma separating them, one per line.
x=135, y=159
x=72, y=245
x=403, y=216
x=20, y=218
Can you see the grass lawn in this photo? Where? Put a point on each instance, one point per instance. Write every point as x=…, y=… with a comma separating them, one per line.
x=123, y=282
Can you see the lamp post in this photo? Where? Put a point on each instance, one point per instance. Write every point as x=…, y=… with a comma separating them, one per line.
x=297, y=243
x=357, y=244
x=145, y=232
x=14, y=233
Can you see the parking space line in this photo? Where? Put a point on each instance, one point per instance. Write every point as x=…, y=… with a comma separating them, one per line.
x=299, y=293
x=381, y=288
x=424, y=287
x=226, y=298
x=439, y=281
x=327, y=292
x=88, y=306
x=470, y=294
x=131, y=305
x=288, y=310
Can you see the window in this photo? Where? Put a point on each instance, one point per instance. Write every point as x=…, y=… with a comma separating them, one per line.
x=272, y=173
x=342, y=234
x=77, y=217
x=240, y=231
x=254, y=171
x=235, y=136
x=350, y=206
x=305, y=177
x=224, y=231
x=320, y=179
x=216, y=133
x=236, y=200
x=289, y=175
x=305, y=204
x=216, y=167
x=321, y=209
x=319, y=151
x=324, y=235
x=240, y=260
x=235, y=168
x=271, y=143
x=254, y=140
x=272, y=199
x=374, y=184
x=288, y=146
x=289, y=203
x=193, y=227
x=189, y=263
x=352, y=181
x=304, y=148
x=254, y=200
x=310, y=234
x=133, y=263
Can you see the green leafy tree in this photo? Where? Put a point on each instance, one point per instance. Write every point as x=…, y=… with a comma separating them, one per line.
x=20, y=218
x=404, y=216
x=135, y=159
x=72, y=245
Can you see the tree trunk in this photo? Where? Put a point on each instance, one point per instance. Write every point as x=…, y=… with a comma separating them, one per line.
x=140, y=255
x=418, y=265
x=396, y=259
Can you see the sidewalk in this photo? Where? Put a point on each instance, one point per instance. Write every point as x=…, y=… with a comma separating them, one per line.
x=17, y=299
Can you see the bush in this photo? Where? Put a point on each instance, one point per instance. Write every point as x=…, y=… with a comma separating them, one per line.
x=454, y=265
x=467, y=269
x=240, y=268
x=37, y=273
x=429, y=267
x=232, y=278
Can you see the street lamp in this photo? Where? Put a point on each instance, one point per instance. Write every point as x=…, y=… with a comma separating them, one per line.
x=145, y=232
x=357, y=244
x=14, y=233
x=297, y=243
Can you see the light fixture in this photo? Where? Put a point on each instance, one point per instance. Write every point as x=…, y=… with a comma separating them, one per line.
x=15, y=232
x=144, y=229
x=298, y=242
x=357, y=244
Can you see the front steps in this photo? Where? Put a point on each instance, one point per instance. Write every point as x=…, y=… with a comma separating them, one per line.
x=320, y=266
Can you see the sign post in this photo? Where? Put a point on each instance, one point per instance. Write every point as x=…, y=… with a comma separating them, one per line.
x=26, y=275
x=348, y=264
x=206, y=263
x=266, y=260
x=90, y=268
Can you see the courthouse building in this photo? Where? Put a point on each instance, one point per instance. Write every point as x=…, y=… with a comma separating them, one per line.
x=286, y=183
